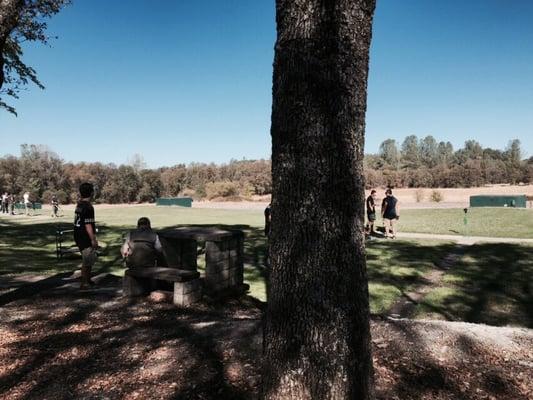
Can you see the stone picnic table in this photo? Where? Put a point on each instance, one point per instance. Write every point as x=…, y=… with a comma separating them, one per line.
x=224, y=267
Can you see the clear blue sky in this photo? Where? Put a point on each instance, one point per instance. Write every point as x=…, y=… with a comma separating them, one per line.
x=190, y=80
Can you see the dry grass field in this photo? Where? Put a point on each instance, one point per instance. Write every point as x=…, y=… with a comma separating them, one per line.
x=452, y=197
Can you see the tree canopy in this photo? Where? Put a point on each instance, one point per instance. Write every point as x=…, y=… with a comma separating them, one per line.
x=21, y=21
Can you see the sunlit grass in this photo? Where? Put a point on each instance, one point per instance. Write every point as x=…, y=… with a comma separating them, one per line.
x=27, y=245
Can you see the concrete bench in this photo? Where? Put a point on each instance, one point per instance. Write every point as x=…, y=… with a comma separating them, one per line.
x=224, y=255
x=142, y=281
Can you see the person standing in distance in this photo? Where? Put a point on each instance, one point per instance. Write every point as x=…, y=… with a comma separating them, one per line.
x=85, y=233
x=11, y=200
x=4, y=203
x=390, y=212
x=55, y=206
x=27, y=203
x=268, y=220
x=371, y=211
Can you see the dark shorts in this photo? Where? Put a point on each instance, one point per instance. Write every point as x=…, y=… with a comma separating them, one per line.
x=371, y=216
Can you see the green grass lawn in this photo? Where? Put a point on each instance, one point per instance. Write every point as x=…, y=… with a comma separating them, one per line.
x=395, y=267
x=27, y=244
x=495, y=222
x=491, y=284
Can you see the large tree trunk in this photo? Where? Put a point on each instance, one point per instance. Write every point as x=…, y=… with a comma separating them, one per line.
x=9, y=13
x=317, y=335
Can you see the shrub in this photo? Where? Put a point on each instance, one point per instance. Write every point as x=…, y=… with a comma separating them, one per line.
x=62, y=197
x=221, y=189
x=436, y=196
x=187, y=192
x=419, y=195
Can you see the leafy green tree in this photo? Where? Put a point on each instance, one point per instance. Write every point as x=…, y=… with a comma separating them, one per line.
x=174, y=180
x=122, y=186
x=514, y=152
x=410, y=152
x=428, y=151
x=21, y=21
x=151, y=185
x=388, y=151
x=444, y=153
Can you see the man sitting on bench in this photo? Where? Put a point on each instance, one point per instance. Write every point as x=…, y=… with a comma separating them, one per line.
x=142, y=246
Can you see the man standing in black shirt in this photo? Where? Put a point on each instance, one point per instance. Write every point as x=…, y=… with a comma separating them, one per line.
x=371, y=210
x=390, y=211
x=85, y=233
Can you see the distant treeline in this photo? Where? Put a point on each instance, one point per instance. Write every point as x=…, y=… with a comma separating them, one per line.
x=415, y=163
x=428, y=163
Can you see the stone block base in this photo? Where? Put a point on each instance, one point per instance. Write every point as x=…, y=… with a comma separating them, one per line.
x=132, y=286
x=187, y=293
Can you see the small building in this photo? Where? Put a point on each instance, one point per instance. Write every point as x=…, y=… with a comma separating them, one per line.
x=174, y=201
x=515, y=201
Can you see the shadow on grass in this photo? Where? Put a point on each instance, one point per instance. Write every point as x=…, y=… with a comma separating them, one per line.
x=491, y=284
x=29, y=249
x=397, y=267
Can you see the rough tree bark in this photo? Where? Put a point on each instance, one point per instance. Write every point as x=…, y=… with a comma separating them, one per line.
x=317, y=335
x=9, y=13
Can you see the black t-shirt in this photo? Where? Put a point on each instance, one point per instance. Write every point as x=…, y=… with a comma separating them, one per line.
x=390, y=207
x=83, y=215
x=370, y=205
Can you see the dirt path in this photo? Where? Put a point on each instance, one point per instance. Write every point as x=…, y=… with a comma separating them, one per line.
x=405, y=306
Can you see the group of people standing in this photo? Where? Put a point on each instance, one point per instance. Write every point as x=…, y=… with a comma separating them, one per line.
x=390, y=213
x=8, y=203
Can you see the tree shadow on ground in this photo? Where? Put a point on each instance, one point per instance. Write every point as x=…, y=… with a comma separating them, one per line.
x=491, y=284
x=397, y=267
x=31, y=249
x=100, y=346
x=427, y=360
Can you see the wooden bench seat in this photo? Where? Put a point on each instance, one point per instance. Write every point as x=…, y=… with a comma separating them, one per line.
x=142, y=281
